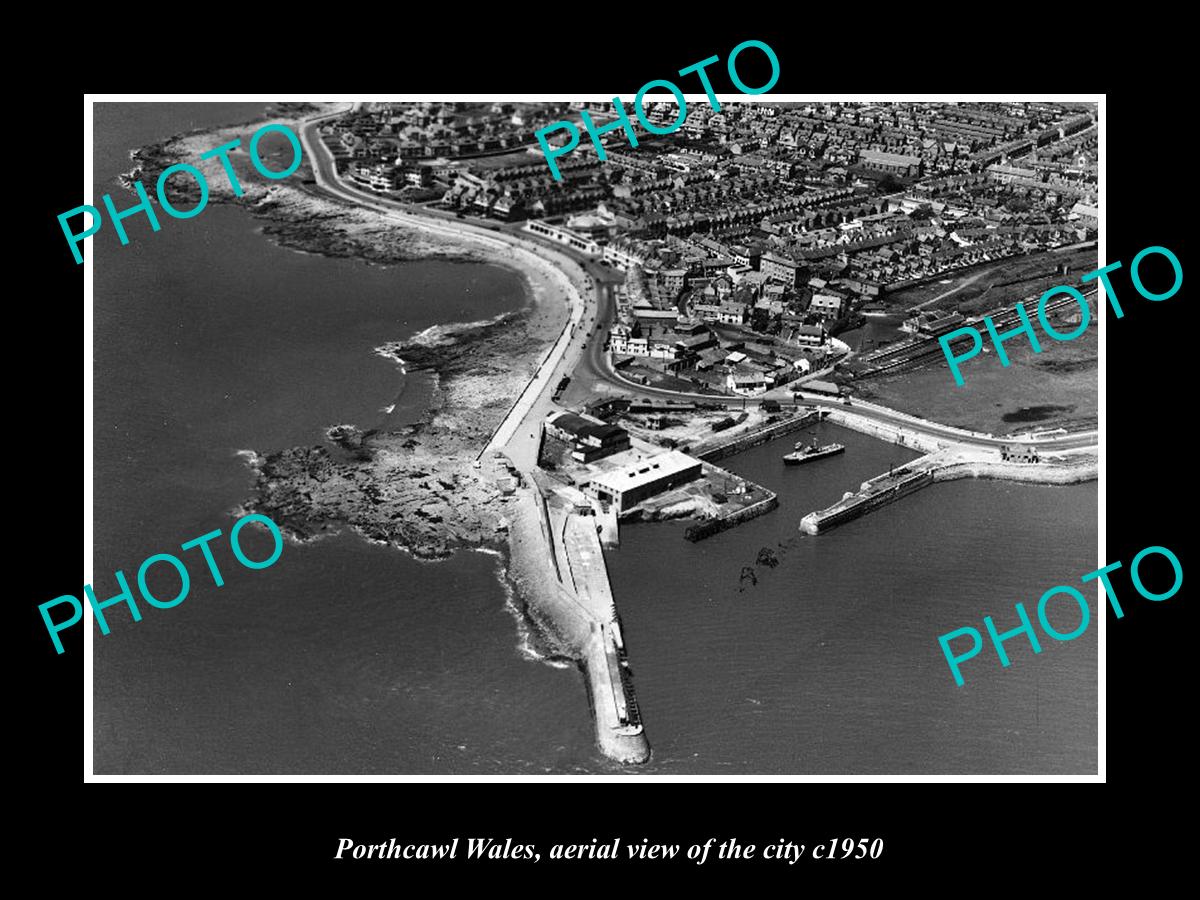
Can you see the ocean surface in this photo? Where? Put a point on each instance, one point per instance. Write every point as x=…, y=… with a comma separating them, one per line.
x=347, y=657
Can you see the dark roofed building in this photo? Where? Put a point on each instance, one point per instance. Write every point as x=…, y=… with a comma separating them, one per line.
x=566, y=426
x=590, y=438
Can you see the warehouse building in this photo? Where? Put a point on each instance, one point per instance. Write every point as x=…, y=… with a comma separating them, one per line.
x=589, y=438
x=628, y=486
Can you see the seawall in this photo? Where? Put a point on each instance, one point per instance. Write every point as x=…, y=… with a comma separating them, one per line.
x=709, y=527
x=875, y=493
x=894, y=434
x=1013, y=471
x=558, y=566
x=759, y=436
x=946, y=466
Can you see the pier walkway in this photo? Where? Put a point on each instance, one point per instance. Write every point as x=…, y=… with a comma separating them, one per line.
x=574, y=541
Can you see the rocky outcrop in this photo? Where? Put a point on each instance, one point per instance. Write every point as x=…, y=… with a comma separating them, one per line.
x=415, y=487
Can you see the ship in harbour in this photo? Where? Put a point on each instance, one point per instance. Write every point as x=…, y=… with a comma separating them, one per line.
x=813, y=451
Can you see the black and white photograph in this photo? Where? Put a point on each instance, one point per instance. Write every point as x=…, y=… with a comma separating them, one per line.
x=710, y=435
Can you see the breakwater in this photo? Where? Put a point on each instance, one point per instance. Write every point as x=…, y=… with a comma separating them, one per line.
x=759, y=436
x=709, y=527
x=948, y=465
x=873, y=494
x=572, y=601
x=1082, y=468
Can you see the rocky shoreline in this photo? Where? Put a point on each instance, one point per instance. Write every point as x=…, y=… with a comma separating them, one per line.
x=414, y=487
x=292, y=214
x=311, y=491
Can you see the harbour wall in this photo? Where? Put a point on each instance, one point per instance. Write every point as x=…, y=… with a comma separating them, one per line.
x=851, y=507
x=1039, y=473
x=759, y=436
x=709, y=527
x=943, y=467
x=895, y=434
x=606, y=681
x=615, y=711
x=546, y=601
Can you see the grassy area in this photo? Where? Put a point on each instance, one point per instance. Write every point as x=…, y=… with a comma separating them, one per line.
x=504, y=160
x=1001, y=283
x=1057, y=387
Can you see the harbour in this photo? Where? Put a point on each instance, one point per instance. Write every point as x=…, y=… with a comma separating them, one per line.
x=839, y=631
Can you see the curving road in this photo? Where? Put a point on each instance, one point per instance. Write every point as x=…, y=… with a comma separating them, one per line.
x=585, y=358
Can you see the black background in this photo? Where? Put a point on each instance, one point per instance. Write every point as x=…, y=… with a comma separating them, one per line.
x=983, y=833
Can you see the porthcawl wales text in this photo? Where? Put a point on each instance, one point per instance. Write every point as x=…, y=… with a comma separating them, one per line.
x=713, y=849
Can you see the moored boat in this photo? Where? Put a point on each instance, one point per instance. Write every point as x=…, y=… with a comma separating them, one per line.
x=813, y=451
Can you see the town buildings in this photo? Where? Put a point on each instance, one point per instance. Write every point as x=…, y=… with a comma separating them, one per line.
x=762, y=229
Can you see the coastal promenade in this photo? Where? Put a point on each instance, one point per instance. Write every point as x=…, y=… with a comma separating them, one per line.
x=517, y=434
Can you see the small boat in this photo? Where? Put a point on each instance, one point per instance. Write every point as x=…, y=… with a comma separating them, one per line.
x=813, y=451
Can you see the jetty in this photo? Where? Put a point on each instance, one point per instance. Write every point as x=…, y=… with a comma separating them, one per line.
x=580, y=602
x=872, y=494
x=1016, y=462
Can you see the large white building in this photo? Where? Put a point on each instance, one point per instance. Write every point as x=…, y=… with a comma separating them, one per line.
x=622, y=258
x=563, y=236
x=828, y=306
x=749, y=384
x=628, y=486
x=1088, y=215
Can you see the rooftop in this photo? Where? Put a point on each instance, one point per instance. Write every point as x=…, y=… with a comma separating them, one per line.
x=895, y=159
x=646, y=471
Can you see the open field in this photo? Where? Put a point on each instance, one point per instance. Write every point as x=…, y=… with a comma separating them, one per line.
x=1001, y=283
x=1057, y=387
x=520, y=157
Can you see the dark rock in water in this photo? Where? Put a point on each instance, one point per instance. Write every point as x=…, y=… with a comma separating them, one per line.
x=747, y=572
x=767, y=557
x=347, y=437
